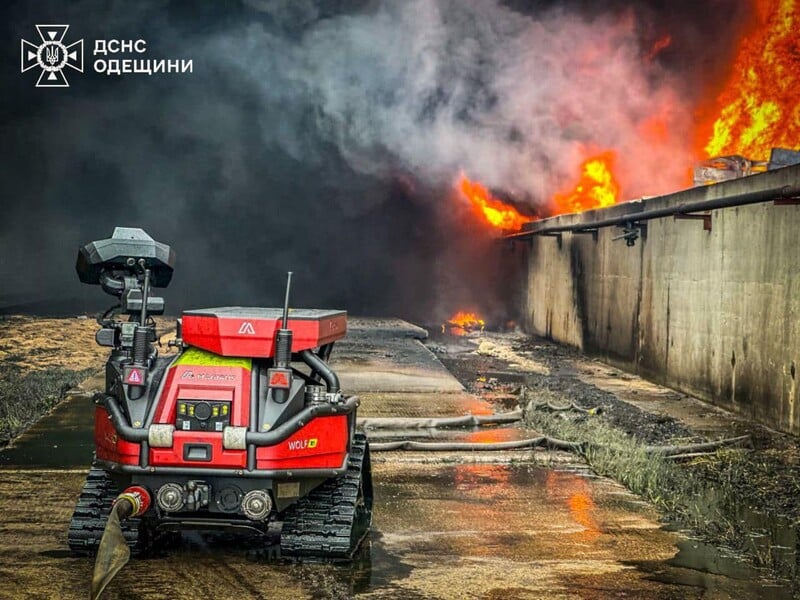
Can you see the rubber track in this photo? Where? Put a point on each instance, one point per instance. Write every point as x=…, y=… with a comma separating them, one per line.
x=331, y=522
x=91, y=512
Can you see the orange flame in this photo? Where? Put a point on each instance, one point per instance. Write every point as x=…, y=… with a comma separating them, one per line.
x=466, y=319
x=463, y=322
x=492, y=210
x=596, y=188
x=759, y=107
x=757, y=110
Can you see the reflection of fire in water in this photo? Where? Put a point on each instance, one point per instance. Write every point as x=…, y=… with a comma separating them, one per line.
x=475, y=406
x=488, y=481
x=481, y=495
x=578, y=500
x=462, y=323
x=487, y=435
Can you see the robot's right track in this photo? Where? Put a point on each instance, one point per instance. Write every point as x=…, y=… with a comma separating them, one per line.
x=331, y=522
x=91, y=513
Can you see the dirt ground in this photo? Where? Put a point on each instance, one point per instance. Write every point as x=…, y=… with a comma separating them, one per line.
x=35, y=343
x=40, y=343
x=746, y=499
x=488, y=525
x=41, y=361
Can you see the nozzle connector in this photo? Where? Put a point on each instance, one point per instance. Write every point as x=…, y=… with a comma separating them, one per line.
x=138, y=497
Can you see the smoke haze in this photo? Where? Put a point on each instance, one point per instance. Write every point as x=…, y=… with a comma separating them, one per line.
x=324, y=137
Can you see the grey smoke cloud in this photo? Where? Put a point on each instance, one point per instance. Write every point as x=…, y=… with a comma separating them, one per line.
x=435, y=86
x=324, y=137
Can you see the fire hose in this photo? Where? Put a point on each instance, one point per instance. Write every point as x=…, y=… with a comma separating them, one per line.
x=113, y=552
x=667, y=451
x=671, y=452
x=439, y=423
x=552, y=406
x=541, y=440
x=458, y=422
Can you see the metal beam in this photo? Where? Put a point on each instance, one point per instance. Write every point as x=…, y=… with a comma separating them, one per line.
x=786, y=192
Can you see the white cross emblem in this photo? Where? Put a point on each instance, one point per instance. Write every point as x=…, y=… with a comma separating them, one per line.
x=51, y=56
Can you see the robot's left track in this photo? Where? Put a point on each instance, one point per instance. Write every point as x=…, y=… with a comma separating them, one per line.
x=91, y=513
x=331, y=522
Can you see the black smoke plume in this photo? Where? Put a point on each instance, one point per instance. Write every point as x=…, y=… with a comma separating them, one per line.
x=324, y=137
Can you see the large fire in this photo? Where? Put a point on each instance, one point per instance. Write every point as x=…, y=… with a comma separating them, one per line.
x=757, y=110
x=759, y=107
x=596, y=187
x=494, y=211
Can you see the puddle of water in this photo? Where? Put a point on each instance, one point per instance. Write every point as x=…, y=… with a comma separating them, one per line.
x=719, y=573
x=500, y=527
x=704, y=558
x=772, y=538
x=62, y=439
x=555, y=518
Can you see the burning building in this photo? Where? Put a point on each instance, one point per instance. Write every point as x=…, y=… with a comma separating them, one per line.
x=749, y=124
x=398, y=137
x=702, y=295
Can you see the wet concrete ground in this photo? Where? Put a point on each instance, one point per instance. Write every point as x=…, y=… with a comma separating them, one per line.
x=520, y=525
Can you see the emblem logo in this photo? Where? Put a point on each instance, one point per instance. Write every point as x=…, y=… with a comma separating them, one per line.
x=303, y=444
x=247, y=328
x=52, y=55
x=279, y=379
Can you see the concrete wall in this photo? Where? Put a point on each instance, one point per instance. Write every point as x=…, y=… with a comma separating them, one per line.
x=713, y=313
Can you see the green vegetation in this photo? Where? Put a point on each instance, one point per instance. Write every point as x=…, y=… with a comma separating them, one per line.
x=26, y=395
x=708, y=494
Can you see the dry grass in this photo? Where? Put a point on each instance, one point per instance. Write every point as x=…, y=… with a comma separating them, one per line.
x=705, y=494
x=26, y=396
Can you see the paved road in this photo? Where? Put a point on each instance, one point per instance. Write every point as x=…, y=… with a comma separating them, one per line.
x=526, y=525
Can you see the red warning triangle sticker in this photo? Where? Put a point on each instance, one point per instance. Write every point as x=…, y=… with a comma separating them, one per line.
x=279, y=380
x=134, y=377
